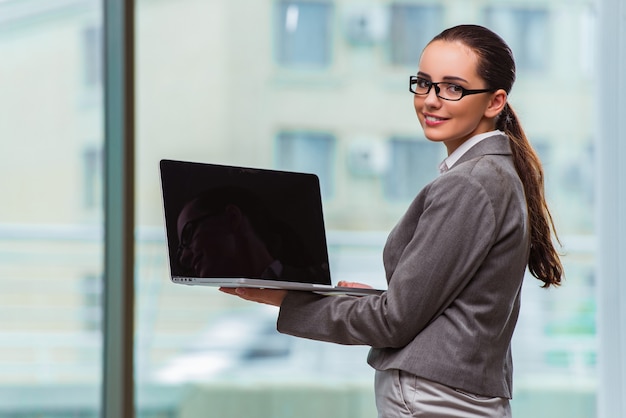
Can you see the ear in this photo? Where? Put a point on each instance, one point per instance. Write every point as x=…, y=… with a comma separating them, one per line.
x=496, y=104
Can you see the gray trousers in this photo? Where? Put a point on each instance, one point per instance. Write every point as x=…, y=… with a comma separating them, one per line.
x=404, y=395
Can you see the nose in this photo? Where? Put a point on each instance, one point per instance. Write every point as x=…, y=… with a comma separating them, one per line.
x=431, y=98
x=185, y=257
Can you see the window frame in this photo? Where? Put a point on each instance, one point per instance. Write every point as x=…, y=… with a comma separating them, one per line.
x=283, y=46
x=118, y=391
x=118, y=354
x=516, y=39
x=301, y=138
x=611, y=205
x=409, y=146
x=398, y=34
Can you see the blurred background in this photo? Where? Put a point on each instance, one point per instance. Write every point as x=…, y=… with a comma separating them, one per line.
x=319, y=86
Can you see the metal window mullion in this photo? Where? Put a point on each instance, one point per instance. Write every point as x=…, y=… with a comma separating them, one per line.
x=118, y=302
x=611, y=205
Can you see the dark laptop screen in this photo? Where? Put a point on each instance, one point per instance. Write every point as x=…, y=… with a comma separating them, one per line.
x=225, y=221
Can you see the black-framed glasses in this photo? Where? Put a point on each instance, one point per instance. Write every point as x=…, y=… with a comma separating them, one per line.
x=443, y=89
x=188, y=231
x=186, y=237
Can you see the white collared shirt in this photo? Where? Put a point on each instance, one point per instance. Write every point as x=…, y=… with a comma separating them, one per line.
x=463, y=148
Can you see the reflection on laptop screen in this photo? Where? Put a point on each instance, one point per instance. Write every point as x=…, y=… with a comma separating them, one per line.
x=234, y=222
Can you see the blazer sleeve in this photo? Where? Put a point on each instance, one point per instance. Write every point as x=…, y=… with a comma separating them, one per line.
x=429, y=257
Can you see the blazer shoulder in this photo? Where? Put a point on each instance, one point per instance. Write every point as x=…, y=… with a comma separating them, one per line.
x=494, y=145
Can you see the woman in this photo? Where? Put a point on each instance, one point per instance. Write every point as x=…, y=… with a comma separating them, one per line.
x=441, y=333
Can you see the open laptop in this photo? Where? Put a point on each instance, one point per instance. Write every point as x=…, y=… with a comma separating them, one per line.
x=234, y=226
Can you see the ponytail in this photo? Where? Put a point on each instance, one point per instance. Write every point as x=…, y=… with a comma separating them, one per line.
x=497, y=67
x=543, y=262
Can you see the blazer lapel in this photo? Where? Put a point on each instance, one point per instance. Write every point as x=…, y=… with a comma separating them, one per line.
x=494, y=145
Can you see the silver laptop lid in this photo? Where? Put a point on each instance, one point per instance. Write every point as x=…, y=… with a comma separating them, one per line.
x=240, y=222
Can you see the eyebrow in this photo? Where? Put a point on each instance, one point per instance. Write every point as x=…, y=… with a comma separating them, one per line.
x=445, y=78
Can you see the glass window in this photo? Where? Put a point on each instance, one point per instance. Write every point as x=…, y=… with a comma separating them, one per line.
x=412, y=26
x=92, y=175
x=92, y=47
x=51, y=245
x=414, y=163
x=304, y=34
x=310, y=152
x=91, y=289
x=199, y=350
x=526, y=32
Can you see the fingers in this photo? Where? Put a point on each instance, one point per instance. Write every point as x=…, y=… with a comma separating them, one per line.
x=344, y=283
x=266, y=296
x=229, y=290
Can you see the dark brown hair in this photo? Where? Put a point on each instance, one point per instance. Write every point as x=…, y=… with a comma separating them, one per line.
x=496, y=67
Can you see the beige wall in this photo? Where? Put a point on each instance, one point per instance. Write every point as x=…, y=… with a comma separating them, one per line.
x=206, y=91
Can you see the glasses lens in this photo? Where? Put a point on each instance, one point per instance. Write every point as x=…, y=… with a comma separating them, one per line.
x=419, y=85
x=190, y=229
x=450, y=91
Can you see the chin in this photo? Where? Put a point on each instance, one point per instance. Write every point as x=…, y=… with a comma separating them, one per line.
x=434, y=136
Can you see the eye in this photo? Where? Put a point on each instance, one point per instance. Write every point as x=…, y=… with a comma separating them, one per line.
x=422, y=83
x=454, y=89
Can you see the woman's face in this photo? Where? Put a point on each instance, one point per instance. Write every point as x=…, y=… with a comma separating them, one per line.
x=453, y=122
x=207, y=244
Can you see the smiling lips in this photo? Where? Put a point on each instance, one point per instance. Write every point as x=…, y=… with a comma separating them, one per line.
x=431, y=120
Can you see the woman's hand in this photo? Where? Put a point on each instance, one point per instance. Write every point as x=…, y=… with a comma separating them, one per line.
x=272, y=297
x=353, y=284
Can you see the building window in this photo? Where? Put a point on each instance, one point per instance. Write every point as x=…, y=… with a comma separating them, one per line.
x=412, y=27
x=91, y=291
x=310, y=152
x=304, y=34
x=92, y=53
x=526, y=32
x=413, y=164
x=92, y=175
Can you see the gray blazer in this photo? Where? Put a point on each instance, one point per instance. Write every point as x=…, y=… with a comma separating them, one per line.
x=454, y=265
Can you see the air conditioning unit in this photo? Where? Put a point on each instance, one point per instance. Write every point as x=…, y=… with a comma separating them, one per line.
x=368, y=157
x=366, y=24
